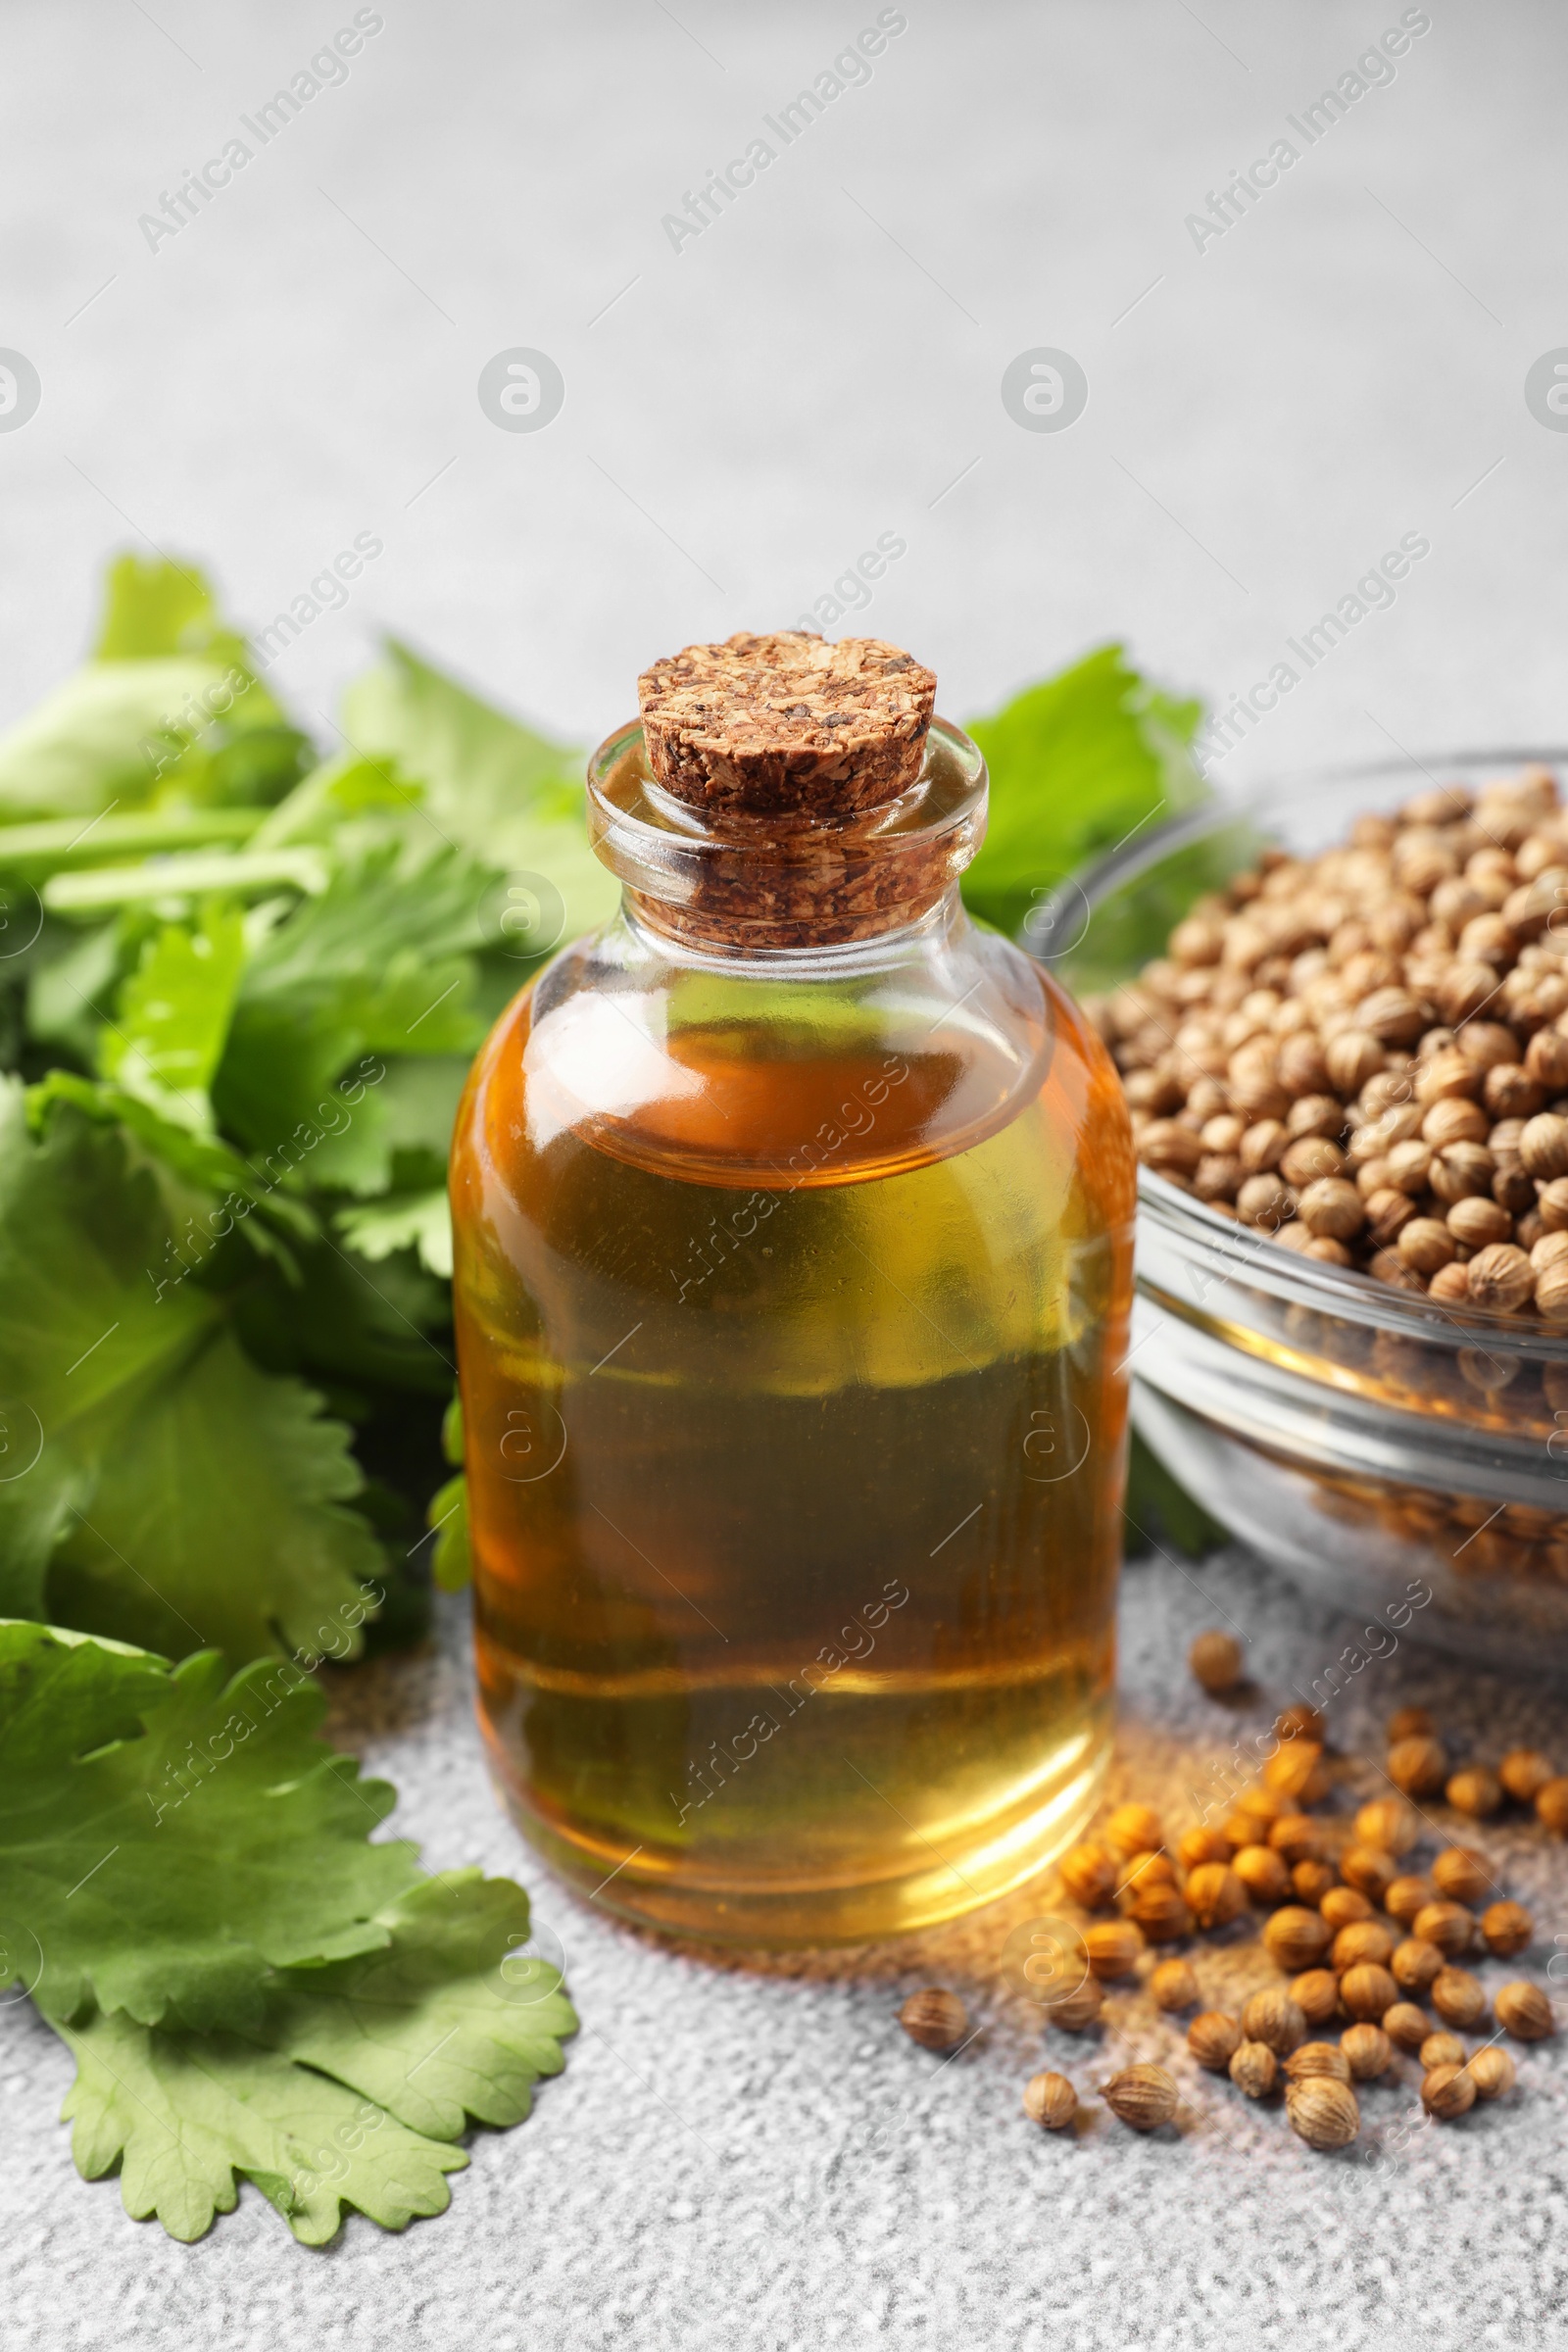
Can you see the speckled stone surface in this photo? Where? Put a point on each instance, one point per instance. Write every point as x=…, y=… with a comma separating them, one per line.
x=754, y=2154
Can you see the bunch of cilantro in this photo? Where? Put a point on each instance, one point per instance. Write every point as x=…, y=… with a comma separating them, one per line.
x=241, y=981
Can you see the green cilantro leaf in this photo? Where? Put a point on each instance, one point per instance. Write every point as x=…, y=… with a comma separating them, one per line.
x=171, y=1020
x=147, y=1445
x=169, y=1837
x=181, y=2113
x=1077, y=763
x=420, y=1221
x=508, y=794
x=107, y=736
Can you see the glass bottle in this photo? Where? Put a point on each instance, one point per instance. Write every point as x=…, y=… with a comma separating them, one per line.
x=793, y=1262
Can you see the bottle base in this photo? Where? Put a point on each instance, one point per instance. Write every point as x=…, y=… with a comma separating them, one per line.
x=674, y=1897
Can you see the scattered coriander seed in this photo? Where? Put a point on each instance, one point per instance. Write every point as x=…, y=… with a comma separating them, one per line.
x=1524, y=1772
x=1458, y=1997
x=1051, y=2101
x=1300, y=1721
x=1367, y=1990
x=1389, y=1824
x=1318, y=2058
x=1316, y=1882
x=1144, y=2096
x=1362, y=1939
x=1299, y=1837
x=1091, y=1874
x=1343, y=1906
x=1135, y=1830
x=1297, y=1771
x=935, y=2019
x=1199, y=1845
x=1074, y=2011
x=1449, y=2092
x=1272, y=2017
x=1507, y=1928
x=1369, y=2051
x=1215, y=1659
x=1262, y=1873
x=1493, y=2072
x=1415, y=1962
x=1174, y=1986
x=1447, y=1925
x=1524, y=2011
x=1296, y=1937
x=1316, y=1993
x=1262, y=1805
x=1418, y=1766
x=1441, y=2049
x=1113, y=1946
x=1215, y=1895
x=1253, y=2069
x=1406, y=2025
x=1409, y=1723
x=1476, y=1789
x=1551, y=1806
x=1143, y=1870
x=1162, y=1911
x=1239, y=1829
x=1323, y=2112
x=1407, y=1897
x=1369, y=1870
x=1214, y=2039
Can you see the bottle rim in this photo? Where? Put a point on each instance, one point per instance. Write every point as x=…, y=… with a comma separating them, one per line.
x=801, y=879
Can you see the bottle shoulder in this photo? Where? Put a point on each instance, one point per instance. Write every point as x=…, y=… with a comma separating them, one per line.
x=729, y=1074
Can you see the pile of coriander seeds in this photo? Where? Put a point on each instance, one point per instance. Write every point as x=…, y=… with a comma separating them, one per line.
x=1369, y=1937
x=1364, y=1054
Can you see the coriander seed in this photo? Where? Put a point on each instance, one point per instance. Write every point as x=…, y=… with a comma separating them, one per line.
x=1362, y=1939
x=1406, y=2025
x=1551, y=1806
x=1273, y=2017
x=1262, y=1873
x=1449, y=2092
x=1135, y=1830
x=1253, y=2069
x=1524, y=1772
x=1507, y=1928
x=1299, y=1837
x=1078, y=2008
x=1343, y=1906
x=1144, y=2096
x=1113, y=1946
x=1316, y=1993
x=1457, y=1996
x=1524, y=2011
x=1051, y=2101
x=1297, y=1939
x=1199, y=1845
x=1461, y=1875
x=935, y=2019
x=1493, y=2072
x=1441, y=2049
x=1407, y=1897
x=1447, y=1925
x=1419, y=1765
x=1369, y=1870
x=1318, y=2058
x=1409, y=1723
x=1476, y=1789
x=1316, y=1882
x=1368, y=1991
x=1173, y=1985
x=1323, y=2112
x=1215, y=1659
x=1214, y=2039
x=1160, y=1910
x=1388, y=1823
x=1369, y=2051
x=1215, y=1895
x=1415, y=1962
x=1091, y=1874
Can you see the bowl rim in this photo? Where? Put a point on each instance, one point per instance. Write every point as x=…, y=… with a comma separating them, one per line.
x=1239, y=1252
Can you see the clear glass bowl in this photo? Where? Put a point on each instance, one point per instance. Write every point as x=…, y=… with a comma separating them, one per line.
x=1393, y=1456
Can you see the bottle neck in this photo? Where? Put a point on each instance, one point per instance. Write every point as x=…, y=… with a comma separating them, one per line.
x=683, y=936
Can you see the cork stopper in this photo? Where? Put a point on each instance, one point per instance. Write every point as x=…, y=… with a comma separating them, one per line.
x=787, y=724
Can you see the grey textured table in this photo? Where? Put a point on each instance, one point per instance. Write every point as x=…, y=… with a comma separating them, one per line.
x=731, y=2158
